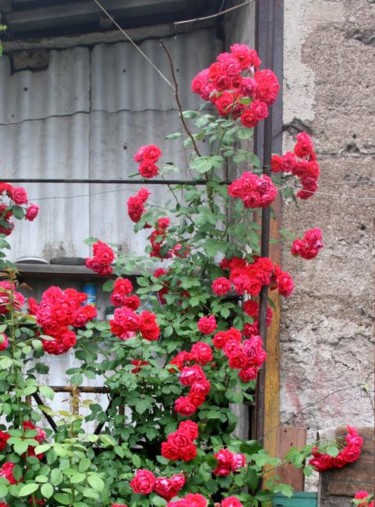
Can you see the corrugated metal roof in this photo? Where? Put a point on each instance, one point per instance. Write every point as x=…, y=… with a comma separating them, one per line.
x=40, y=18
x=85, y=117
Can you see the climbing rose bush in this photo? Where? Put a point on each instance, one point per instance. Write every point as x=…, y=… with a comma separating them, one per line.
x=184, y=342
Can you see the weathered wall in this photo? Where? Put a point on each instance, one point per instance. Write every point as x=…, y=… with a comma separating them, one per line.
x=83, y=116
x=327, y=345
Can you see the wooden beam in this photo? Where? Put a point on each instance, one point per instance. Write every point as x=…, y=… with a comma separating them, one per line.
x=287, y=437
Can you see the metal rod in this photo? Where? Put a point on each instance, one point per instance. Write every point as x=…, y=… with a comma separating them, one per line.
x=40, y=403
x=266, y=28
x=108, y=182
x=81, y=389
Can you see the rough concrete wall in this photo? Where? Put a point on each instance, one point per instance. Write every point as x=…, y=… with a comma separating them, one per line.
x=327, y=345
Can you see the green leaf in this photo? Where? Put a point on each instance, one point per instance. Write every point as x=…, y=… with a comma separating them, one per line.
x=28, y=489
x=47, y=490
x=190, y=114
x=136, y=460
x=202, y=164
x=108, y=286
x=62, y=498
x=84, y=465
x=56, y=477
x=41, y=478
x=284, y=489
x=3, y=490
x=141, y=406
x=5, y=363
x=77, y=477
x=21, y=447
x=244, y=133
x=47, y=392
x=332, y=450
x=96, y=482
x=173, y=136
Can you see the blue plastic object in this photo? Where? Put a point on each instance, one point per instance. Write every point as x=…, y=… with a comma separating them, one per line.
x=297, y=500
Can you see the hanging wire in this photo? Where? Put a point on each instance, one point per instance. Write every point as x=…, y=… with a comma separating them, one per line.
x=220, y=13
x=134, y=44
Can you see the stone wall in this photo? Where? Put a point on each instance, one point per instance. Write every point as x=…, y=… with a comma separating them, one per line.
x=327, y=342
x=327, y=335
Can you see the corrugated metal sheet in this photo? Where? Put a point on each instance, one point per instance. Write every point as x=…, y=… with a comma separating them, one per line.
x=85, y=116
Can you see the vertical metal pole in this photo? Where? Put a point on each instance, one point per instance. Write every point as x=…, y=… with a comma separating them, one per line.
x=265, y=33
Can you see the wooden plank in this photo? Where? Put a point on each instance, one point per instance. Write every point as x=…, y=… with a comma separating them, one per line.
x=287, y=437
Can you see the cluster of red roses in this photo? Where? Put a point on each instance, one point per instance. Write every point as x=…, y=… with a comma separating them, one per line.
x=366, y=497
x=233, y=81
x=251, y=308
x=14, y=197
x=197, y=500
x=254, y=191
x=228, y=461
x=145, y=482
x=308, y=247
x=195, y=378
x=157, y=238
x=121, y=294
x=180, y=444
x=349, y=454
x=250, y=277
x=101, y=262
x=58, y=311
x=146, y=157
x=301, y=163
x=136, y=204
x=248, y=356
x=126, y=323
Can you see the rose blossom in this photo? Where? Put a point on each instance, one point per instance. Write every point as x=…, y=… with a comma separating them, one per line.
x=143, y=482
x=32, y=212
x=207, y=325
x=231, y=501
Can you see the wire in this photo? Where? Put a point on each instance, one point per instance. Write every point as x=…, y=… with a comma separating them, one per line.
x=220, y=13
x=339, y=196
x=134, y=44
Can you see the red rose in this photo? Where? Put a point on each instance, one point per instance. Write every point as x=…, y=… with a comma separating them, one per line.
x=189, y=428
x=202, y=353
x=143, y=482
x=148, y=169
x=231, y=501
x=19, y=195
x=32, y=212
x=207, y=325
x=184, y=406
x=150, y=152
x=148, y=326
x=221, y=286
x=4, y=438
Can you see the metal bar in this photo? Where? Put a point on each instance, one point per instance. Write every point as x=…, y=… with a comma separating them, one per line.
x=82, y=389
x=40, y=403
x=265, y=33
x=108, y=182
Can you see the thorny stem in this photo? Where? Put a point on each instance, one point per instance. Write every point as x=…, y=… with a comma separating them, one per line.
x=178, y=102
